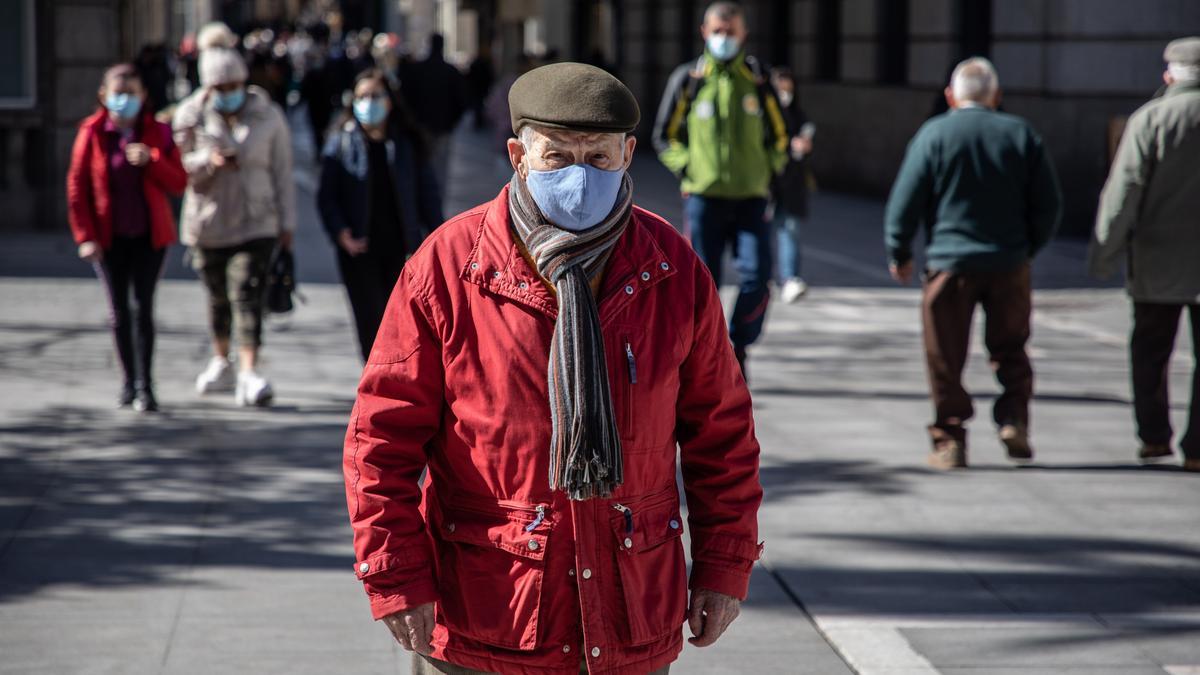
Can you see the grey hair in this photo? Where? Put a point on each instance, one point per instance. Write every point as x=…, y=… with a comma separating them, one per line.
x=525, y=134
x=974, y=80
x=723, y=11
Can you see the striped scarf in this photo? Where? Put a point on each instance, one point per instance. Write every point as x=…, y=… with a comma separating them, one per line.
x=585, y=447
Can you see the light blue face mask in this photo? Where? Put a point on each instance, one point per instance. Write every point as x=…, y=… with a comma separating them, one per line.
x=230, y=101
x=575, y=197
x=370, y=111
x=125, y=106
x=722, y=47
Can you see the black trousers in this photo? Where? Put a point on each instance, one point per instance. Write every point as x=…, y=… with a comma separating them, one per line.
x=1154, y=329
x=132, y=264
x=369, y=279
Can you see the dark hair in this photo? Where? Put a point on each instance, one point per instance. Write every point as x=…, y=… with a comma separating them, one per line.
x=124, y=71
x=400, y=120
x=783, y=73
x=723, y=10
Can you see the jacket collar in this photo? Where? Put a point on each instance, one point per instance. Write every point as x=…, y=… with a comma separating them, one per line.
x=1181, y=87
x=495, y=263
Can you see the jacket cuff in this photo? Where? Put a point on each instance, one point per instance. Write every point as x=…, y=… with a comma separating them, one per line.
x=394, y=600
x=729, y=581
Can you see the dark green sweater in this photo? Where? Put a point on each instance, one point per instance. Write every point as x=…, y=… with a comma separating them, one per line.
x=984, y=188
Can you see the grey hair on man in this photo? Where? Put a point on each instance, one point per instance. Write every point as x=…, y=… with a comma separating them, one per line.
x=974, y=80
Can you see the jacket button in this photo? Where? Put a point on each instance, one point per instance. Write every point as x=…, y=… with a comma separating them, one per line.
x=522, y=285
x=665, y=267
x=674, y=524
x=474, y=266
x=629, y=290
x=587, y=573
x=364, y=568
x=533, y=545
x=496, y=274
x=571, y=572
x=450, y=527
x=595, y=652
x=645, y=276
x=566, y=649
x=628, y=542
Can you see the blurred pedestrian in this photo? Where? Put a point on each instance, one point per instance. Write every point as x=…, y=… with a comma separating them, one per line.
x=239, y=205
x=1148, y=219
x=438, y=92
x=983, y=186
x=480, y=77
x=123, y=166
x=378, y=197
x=719, y=128
x=789, y=190
x=522, y=362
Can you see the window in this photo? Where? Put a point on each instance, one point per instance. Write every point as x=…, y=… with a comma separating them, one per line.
x=17, y=53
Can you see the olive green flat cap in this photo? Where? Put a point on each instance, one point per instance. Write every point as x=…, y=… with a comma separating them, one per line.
x=573, y=96
x=1184, y=51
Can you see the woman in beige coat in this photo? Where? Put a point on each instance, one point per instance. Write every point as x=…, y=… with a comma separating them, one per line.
x=239, y=206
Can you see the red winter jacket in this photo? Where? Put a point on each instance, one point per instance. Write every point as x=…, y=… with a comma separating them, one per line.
x=525, y=580
x=89, y=209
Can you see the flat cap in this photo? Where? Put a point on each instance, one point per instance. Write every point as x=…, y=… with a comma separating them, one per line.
x=1184, y=50
x=573, y=96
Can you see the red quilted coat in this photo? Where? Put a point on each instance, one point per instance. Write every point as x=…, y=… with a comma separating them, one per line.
x=89, y=206
x=525, y=580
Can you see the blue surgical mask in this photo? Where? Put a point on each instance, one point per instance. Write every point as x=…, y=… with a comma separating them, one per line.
x=722, y=47
x=230, y=101
x=575, y=197
x=370, y=111
x=125, y=106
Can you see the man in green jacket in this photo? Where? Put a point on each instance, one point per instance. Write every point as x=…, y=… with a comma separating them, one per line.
x=986, y=192
x=719, y=128
x=1149, y=217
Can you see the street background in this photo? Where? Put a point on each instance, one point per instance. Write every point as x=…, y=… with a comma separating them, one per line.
x=213, y=539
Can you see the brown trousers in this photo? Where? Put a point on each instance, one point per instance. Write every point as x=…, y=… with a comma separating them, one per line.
x=1154, y=328
x=947, y=308
x=427, y=665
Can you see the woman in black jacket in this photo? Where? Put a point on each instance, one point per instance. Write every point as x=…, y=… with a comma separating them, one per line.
x=378, y=197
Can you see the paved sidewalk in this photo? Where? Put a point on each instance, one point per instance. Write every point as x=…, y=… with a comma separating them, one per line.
x=214, y=539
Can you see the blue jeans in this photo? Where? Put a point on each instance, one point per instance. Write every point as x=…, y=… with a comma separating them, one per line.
x=714, y=224
x=787, y=232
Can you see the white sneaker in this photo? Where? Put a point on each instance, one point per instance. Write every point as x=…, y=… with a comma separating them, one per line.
x=793, y=290
x=253, y=389
x=217, y=376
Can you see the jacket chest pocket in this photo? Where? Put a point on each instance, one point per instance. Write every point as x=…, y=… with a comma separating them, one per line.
x=651, y=568
x=491, y=562
x=644, y=381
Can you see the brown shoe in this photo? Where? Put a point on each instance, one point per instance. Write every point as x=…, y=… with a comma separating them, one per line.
x=1151, y=451
x=1016, y=442
x=948, y=454
x=1192, y=465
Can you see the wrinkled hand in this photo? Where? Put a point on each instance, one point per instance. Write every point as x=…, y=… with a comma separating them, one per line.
x=351, y=245
x=710, y=614
x=90, y=251
x=412, y=628
x=902, y=274
x=137, y=154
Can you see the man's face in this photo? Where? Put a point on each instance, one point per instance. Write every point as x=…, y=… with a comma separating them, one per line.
x=734, y=27
x=550, y=149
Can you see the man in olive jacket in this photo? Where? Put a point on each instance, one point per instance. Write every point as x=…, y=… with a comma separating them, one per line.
x=984, y=188
x=1149, y=217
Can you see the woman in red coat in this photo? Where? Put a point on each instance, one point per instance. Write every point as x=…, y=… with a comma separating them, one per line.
x=123, y=166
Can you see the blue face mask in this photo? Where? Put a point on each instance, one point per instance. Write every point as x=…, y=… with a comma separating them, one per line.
x=124, y=106
x=722, y=47
x=575, y=197
x=370, y=111
x=230, y=101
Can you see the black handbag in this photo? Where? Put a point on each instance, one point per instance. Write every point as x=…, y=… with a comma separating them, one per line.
x=281, y=282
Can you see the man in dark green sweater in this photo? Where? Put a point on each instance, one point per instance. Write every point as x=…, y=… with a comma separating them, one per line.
x=986, y=192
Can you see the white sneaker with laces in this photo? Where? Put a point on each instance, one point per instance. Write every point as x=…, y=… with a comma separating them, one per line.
x=217, y=376
x=253, y=389
x=793, y=290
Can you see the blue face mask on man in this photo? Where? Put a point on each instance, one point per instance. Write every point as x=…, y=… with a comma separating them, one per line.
x=370, y=111
x=230, y=101
x=575, y=197
x=722, y=47
x=125, y=105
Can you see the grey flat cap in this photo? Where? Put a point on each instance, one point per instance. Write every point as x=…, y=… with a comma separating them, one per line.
x=1184, y=50
x=572, y=96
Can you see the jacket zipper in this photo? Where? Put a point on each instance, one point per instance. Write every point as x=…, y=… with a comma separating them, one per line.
x=628, y=513
x=541, y=516
x=632, y=363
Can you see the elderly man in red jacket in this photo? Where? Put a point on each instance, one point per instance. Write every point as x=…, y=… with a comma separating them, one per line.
x=543, y=356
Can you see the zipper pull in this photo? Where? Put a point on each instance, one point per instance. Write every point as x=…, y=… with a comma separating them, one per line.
x=632, y=363
x=628, y=512
x=541, y=516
